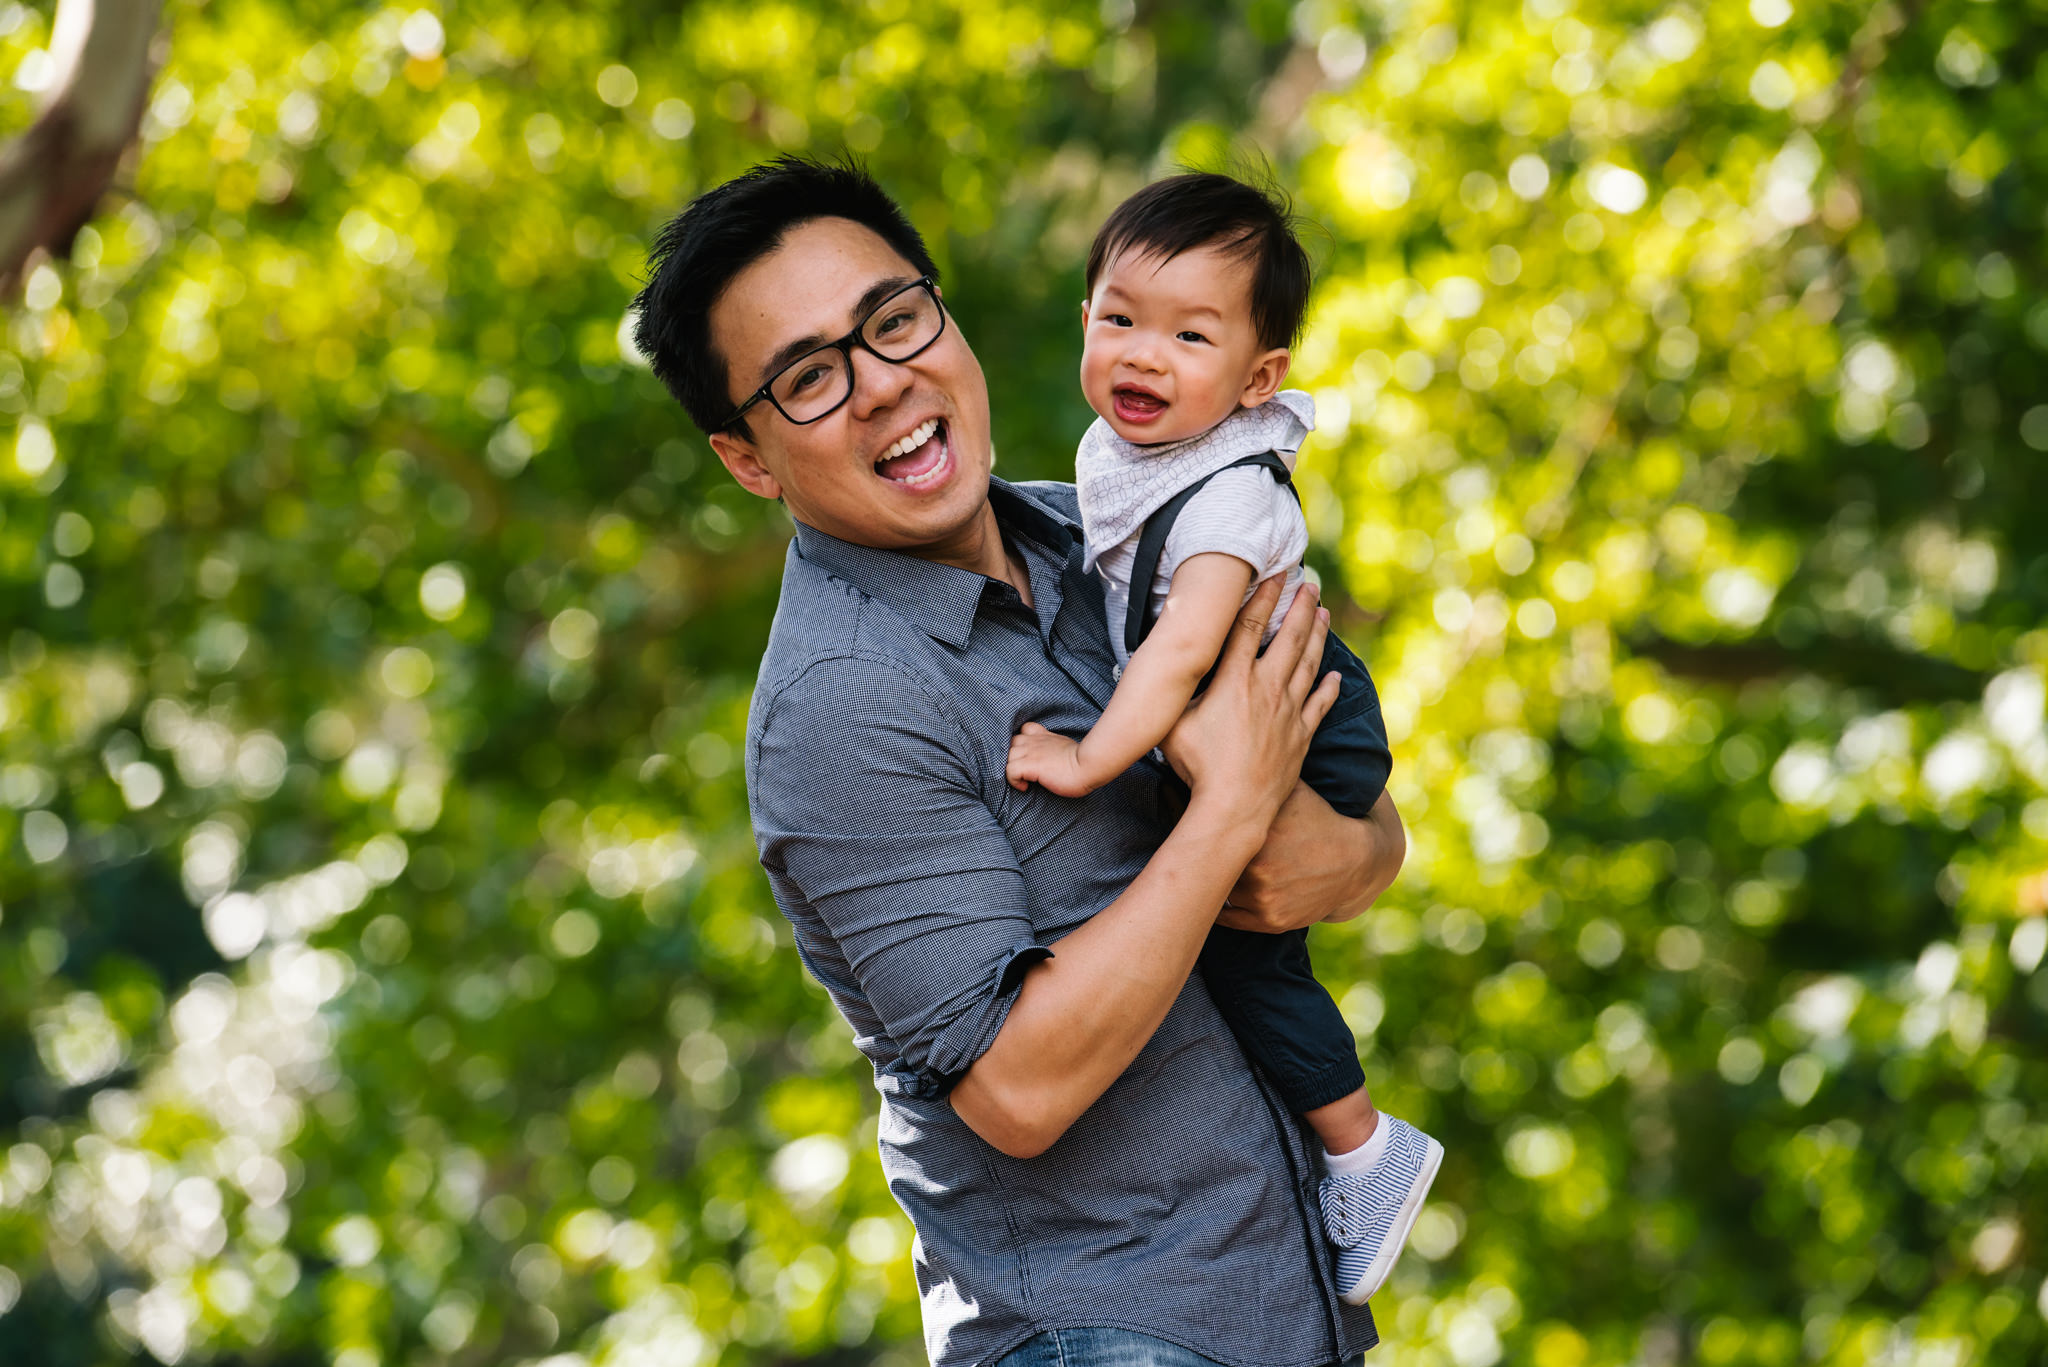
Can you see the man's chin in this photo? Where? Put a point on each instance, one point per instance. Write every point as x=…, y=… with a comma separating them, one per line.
x=894, y=518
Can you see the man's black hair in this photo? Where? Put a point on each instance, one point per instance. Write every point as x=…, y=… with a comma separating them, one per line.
x=1203, y=209
x=721, y=233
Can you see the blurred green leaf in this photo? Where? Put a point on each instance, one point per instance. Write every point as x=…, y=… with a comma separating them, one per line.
x=384, y=970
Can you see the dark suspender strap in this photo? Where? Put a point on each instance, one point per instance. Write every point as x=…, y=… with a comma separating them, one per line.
x=1152, y=542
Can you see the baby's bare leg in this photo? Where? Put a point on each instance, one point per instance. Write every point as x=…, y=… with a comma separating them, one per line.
x=1345, y=1123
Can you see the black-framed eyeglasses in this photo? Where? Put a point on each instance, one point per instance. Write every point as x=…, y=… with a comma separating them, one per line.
x=814, y=385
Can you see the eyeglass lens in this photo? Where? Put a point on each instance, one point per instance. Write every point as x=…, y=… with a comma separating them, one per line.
x=813, y=386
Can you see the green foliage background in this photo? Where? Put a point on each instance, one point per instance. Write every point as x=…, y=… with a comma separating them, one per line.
x=385, y=976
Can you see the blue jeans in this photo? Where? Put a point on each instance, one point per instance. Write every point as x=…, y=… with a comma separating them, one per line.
x=1109, y=1348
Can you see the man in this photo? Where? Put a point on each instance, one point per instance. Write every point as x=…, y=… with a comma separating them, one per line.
x=1095, y=1173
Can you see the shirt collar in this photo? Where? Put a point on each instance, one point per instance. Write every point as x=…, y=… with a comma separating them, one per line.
x=940, y=600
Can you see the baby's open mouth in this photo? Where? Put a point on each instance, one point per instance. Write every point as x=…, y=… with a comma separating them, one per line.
x=922, y=456
x=1136, y=405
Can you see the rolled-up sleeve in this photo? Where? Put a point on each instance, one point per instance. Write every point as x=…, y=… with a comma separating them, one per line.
x=867, y=804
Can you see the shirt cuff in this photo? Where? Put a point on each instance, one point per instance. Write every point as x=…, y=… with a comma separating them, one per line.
x=960, y=1044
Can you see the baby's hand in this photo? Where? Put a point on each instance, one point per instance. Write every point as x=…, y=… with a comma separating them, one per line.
x=1049, y=760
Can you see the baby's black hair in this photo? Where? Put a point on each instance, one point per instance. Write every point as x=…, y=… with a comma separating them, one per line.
x=1203, y=209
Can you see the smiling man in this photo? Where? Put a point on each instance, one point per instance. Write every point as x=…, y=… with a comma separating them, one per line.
x=1096, y=1174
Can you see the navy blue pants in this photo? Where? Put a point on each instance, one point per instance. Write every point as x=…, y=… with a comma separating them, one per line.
x=1264, y=984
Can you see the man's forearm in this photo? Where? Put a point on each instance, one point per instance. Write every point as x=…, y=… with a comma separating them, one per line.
x=1385, y=850
x=1318, y=865
x=1084, y=1014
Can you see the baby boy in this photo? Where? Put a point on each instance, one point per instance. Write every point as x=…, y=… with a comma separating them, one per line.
x=1196, y=290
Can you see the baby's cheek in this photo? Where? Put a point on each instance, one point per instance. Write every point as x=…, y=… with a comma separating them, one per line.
x=1095, y=367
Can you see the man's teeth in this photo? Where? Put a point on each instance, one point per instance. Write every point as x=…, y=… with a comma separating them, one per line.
x=944, y=463
x=918, y=437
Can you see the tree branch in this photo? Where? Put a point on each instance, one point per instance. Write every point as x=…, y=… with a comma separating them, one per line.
x=1892, y=676
x=53, y=174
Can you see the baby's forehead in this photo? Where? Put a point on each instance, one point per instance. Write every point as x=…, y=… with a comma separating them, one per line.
x=1219, y=275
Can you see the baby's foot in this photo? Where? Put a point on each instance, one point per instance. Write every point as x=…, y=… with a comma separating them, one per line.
x=1368, y=1215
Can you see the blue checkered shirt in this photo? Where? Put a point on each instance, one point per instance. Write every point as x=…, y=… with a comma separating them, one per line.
x=921, y=886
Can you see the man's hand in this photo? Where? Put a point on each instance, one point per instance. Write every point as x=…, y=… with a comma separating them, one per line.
x=1317, y=865
x=1048, y=759
x=1244, y=738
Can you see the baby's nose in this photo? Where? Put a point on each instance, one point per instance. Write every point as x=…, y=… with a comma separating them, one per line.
x=1143, y=354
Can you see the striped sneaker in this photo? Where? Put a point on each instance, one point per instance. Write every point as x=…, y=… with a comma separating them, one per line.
x=1368, y=1217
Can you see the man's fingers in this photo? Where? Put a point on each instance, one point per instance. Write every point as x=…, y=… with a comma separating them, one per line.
x=1322, y=700
x=1236, y=918
x=1306, y=668
x=1240, y=916
x=1290, y=643
x=1242, y=646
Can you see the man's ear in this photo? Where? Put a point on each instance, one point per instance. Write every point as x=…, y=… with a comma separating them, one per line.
x=1267, y=373
x=740, y=458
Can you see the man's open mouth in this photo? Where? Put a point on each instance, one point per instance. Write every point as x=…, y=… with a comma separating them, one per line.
x=923, y=455
x=1136, y=405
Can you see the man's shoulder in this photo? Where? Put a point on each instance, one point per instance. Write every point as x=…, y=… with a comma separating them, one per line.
x=831, y=642
x=1054, y=494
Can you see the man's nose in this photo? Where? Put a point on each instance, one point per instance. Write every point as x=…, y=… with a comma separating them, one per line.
x=876, y=383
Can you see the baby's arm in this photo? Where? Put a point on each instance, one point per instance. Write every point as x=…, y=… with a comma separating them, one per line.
x=1207, y=592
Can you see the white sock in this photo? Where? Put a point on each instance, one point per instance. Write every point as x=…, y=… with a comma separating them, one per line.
x=1362, y=1159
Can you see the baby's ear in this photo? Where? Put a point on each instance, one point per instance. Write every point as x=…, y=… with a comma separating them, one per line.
x=1084, y=314
x=1264, y=382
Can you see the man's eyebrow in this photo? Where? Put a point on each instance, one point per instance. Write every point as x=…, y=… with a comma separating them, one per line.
x=803, y=346
x=879, y=291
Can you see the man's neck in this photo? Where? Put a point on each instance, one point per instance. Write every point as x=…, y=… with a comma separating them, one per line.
x=979, y=547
